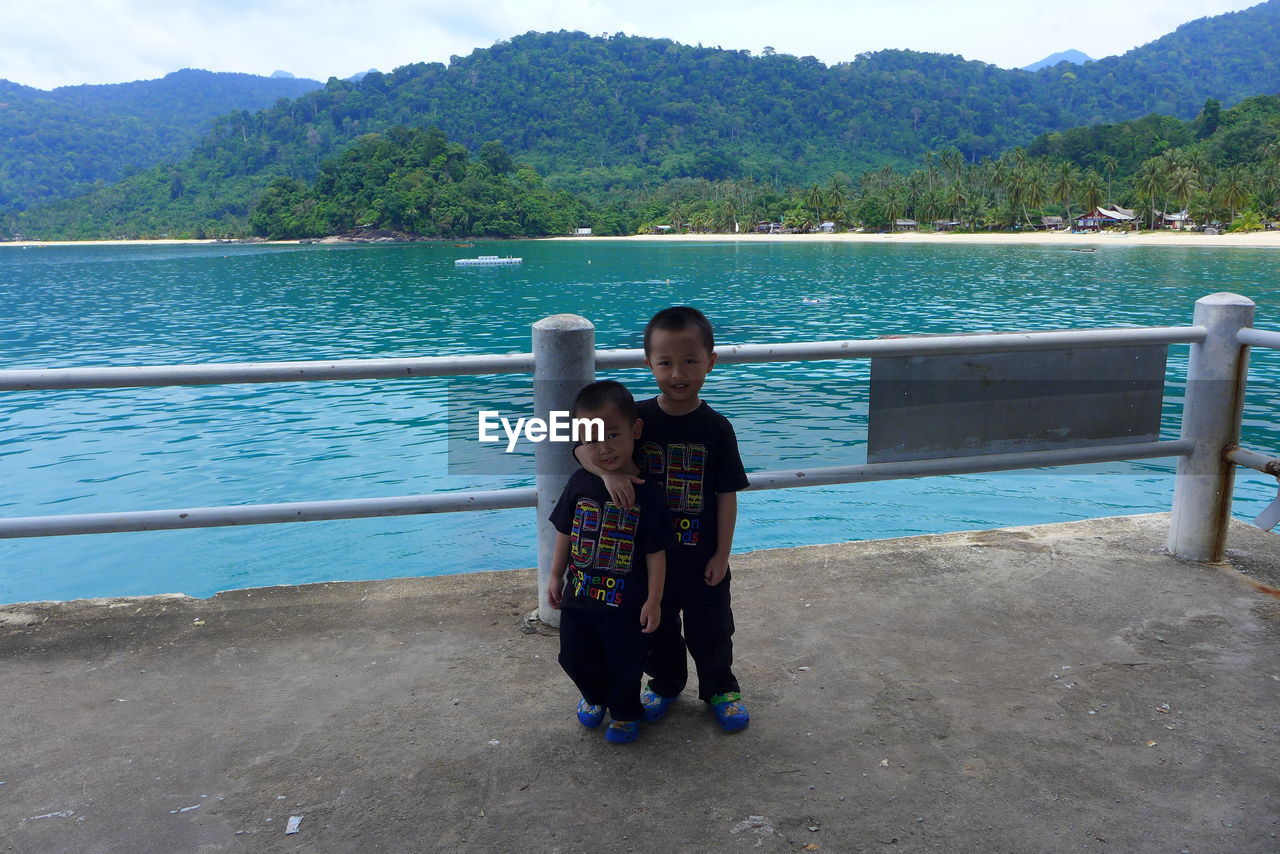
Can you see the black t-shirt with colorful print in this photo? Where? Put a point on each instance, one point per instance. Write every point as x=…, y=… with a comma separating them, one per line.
x=608, y=546
x=692, y=458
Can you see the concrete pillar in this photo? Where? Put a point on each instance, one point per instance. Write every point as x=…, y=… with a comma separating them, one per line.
x=1211, y=419
x=564, y=360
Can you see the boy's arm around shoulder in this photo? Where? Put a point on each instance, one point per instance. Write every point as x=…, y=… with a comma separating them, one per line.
x=621, y=487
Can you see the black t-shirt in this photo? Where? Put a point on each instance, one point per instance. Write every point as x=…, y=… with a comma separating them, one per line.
x=607, y=545
x=693, y=458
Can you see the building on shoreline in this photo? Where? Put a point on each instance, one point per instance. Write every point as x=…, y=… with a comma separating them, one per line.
x=1107, y=216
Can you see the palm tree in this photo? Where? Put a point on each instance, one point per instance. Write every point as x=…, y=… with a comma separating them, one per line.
x=813, y=199
x=1183, y=181
x=953, y=162
x=1000, y=177
x=1150, y=185
x=1170, y=160
x=726, y=216
x=701, y=221
x=1065, y=184
x=1025, y=189
x=1233, y=189
x=1109, y=167
x=930, y=206
x=882, y=179
x=836, y=196
x=1250, y=221
x=931, y=171
x=956, y=198
x=1091, y=190
x=677, y=216
x=893, y=206
x=1268, y=186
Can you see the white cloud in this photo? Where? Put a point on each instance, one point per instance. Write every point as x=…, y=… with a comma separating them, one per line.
x=61, y=42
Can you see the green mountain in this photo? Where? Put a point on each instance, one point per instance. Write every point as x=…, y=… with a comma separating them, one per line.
x=595, y=114
x=66, y=141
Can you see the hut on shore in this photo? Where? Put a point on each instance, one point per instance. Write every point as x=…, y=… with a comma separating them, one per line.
x=1110, y=216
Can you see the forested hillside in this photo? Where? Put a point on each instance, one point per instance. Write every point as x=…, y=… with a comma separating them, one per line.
x=1223, y=166
x=597, y=115
x=62, y=142
x=417, y=182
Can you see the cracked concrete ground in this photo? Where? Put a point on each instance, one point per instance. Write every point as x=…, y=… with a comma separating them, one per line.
x=1045, y=689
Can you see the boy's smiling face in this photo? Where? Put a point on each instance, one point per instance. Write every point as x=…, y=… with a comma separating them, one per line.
x=614, y=452
x=680, y=363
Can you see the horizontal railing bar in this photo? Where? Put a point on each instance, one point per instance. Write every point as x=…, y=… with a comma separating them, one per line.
x=928, y=345
x=1253, y=460
x=937, y=345
x=265, y=514
x=1258, y=337
x=616, y=359
x=360, y=508
x=264, y=372
x=429, y=366
x=968, y=465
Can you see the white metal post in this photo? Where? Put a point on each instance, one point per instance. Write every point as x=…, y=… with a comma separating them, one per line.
x=1211, y=421
x=564, y=360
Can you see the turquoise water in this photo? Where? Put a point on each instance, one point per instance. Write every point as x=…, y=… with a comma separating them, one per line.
x=94, y=451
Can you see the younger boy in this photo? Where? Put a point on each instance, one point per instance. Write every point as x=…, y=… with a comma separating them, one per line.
x=612, y=601
x=690, y=451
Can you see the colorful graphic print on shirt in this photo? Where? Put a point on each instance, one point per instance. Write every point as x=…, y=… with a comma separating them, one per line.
x=683, y=468
x=602, y=549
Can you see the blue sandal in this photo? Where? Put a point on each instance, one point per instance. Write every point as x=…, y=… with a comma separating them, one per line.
x=730, y=711
x=655, y=705
x=588, y=715
x=621, y=732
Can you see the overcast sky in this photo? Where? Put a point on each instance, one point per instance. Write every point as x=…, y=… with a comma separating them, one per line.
x=48, y=43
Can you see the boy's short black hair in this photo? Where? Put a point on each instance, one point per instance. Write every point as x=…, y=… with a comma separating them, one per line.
x=601, y=393
x=677, y=319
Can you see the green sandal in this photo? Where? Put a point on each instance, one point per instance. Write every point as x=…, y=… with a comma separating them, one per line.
x=730, y=711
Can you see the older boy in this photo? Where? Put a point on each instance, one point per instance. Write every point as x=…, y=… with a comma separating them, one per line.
x=691, y=449
x=616, y=568
x=691, y=452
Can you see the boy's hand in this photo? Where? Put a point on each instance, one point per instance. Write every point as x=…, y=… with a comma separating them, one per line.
x=716, y=569
x=650, y=616
x=621, y=487
x=555, y=590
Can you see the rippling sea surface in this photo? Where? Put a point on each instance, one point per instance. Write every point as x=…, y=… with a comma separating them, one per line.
x=133, y=449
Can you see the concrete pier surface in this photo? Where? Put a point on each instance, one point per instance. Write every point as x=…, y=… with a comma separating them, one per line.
x=1045, y=689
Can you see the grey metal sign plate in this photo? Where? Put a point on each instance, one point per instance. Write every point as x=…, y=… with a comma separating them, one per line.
x=928, y=407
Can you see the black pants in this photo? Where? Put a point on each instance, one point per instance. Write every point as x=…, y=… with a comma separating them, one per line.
x=603, y=651
x=708, y=635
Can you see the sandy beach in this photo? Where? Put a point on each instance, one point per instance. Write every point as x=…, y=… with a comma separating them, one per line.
x=1252, y=240
x=30, y=244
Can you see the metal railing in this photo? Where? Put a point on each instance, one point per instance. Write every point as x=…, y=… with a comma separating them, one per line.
x=564, y=358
